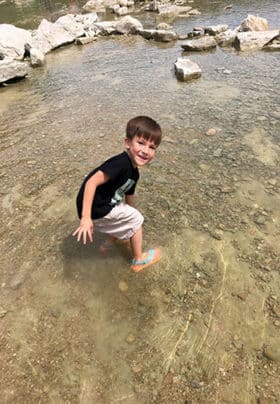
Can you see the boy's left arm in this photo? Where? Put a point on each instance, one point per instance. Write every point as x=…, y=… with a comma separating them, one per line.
x=129, y=199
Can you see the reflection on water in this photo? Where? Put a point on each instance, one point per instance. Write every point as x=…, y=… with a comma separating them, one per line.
x=80, y=327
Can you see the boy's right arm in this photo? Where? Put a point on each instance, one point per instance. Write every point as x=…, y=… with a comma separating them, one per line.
x=85, y=228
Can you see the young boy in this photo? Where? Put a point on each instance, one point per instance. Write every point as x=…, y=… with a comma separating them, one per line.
x=100, y=199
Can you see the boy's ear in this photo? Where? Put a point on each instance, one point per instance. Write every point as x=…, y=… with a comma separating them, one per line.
x=127, y=143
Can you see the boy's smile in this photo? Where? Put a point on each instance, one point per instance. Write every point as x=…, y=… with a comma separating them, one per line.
x=140, y=150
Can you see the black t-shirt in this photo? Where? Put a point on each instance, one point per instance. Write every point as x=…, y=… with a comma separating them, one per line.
x=123, y=179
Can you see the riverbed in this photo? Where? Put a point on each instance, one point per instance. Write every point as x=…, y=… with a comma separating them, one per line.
x=203, y=324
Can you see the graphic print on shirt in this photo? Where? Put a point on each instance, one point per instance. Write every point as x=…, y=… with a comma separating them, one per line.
x=119, y=194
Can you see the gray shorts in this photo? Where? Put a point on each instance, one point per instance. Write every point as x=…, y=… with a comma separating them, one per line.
x=122, y=222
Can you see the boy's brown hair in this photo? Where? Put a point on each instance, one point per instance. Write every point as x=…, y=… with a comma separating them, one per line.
x=146, y=127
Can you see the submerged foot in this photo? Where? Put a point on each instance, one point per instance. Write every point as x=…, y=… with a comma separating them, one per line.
x=148, y=258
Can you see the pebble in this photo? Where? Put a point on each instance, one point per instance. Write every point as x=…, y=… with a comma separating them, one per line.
x=130, y=339
x=260, y=219
x=136, y=369
x=272, y=181
x=3, y=312
x=123, y=286
x=211, y=132
x=276, y=311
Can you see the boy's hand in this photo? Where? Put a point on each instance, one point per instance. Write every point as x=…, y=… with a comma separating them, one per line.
x=85, y=229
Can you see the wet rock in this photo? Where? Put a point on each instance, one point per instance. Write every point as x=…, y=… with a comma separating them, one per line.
x=200, y=44
x=186, y=69
x=253, y=23
x=217, y=234
x=272, y=352
x=247, y=41
x=136, y=369
x=123, y=286
x=37, y=57
x=85, y=40
x=211, y=132
x=17, y=281
x=215, y=29
x=260, y=220
x=130, y=339
x=276, y=311
x=218, y=153
x=3, y=312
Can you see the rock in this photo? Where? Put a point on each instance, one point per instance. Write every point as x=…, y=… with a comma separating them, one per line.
x=12, y=69
x=50, y=36
x=253, y=23
x=87, y=20
x=107, y=27
x=172, y=11
x=121, y=11
x=130, y=339
x=276, y=311
x=136, y=368
x=158, y=35
x=218, y=153
x=123, y=286
x=13, y=41
x=211, y=132
x=200, y=44
x=72, y=25
x=272, y=352
x=272, y=181
x=85, y=40
x=246, y=41
x=3, y=312
x=128, y=25
x=164, y=36
x=17, y=281
x=37, y=57
x=215, y=29
x=186, y=69
x=260, y=220
x=95, y=5
x=226, y=38
x=163, y=26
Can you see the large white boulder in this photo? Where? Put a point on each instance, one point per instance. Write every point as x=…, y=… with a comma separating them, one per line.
x=253, y=23
x=253, y=40
x=50, y=36
x=13, y=41
x=12, y=69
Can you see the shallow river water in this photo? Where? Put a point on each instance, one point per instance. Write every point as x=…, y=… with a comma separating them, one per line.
x=203, y=325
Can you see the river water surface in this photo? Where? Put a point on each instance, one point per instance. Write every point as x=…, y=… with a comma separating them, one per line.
x=203, y=324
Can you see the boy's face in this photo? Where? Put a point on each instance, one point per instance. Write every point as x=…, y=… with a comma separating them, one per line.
x=140, y=150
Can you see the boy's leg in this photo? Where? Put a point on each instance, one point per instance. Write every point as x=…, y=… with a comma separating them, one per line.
x=136, y=244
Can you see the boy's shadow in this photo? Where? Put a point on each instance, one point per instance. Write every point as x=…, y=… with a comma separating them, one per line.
x=87, y=262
